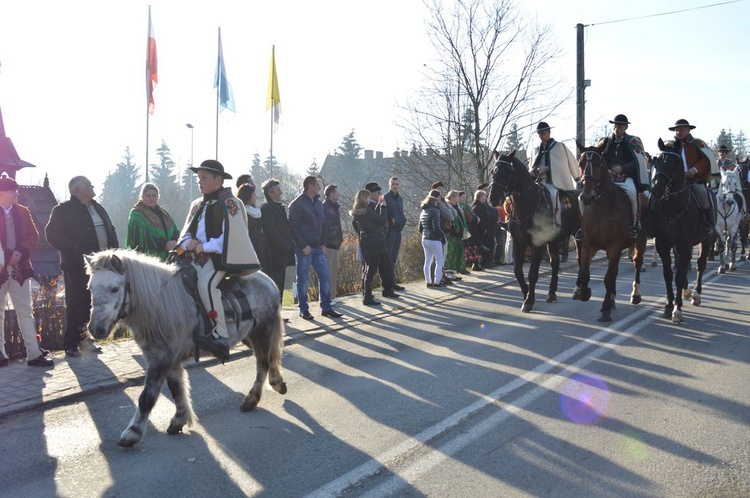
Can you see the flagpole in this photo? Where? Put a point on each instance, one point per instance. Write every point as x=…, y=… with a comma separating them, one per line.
x=148, y=85
x=218, y=90
x=270, y=164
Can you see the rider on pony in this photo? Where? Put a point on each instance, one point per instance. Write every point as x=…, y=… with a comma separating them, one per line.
x=700, y=165
x=554, y=167
x=726, y=164
x=216, y=232
x=623, y=154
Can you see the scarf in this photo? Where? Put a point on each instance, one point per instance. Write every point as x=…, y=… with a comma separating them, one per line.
x=150, y=228
x=252, y=211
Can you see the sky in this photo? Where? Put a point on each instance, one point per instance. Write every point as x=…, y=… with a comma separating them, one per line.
x=73, y=97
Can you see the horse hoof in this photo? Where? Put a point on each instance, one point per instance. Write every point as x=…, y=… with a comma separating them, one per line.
x=552, y=298
x=687, y=293
x=732, y=267
x=636, y=299
x=654, y=263
x=668, y=312
x=577, y=294
x=721, y=270
x=585, y=294
x=248, y=405
x=604, y=317
x=696, y=301
x=280, y=388
x=526, y=308
x=129, y=438
x=677, y=316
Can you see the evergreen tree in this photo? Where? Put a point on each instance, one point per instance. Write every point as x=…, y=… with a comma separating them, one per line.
x=349, y=148
x=120, y=193
x=257, y=171
x=313, y=169
x=271, y=167
x=165, y=177
x=515, y=144
x=740, y=146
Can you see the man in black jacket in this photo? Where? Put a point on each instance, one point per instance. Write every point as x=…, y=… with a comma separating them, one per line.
x=334, y=235
x=278, y=234
x=77, y=227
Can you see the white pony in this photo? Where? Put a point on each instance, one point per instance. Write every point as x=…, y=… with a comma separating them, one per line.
x=150, y=299
x=729, y=209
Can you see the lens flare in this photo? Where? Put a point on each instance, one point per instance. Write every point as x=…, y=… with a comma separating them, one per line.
x=483, y=326
x=584, y=399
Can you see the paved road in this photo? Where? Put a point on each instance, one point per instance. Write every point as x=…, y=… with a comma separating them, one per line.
x=464, y=397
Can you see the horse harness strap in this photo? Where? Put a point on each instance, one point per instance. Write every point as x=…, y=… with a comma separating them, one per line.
x=125, y=305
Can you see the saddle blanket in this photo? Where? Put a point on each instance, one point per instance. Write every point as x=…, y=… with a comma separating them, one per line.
x=236, y=305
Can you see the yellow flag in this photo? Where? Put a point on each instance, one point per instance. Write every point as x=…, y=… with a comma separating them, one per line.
x=274, y=99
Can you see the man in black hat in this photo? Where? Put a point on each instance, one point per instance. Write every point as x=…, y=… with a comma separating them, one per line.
x=699, y=163
x=77, y=227
x=553, y=166
x=724, y=163
x=19, y=237
x=623, y=154
x=385, y=269
x=216, y=231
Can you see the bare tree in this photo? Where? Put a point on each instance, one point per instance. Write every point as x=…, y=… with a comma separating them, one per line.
x=493, y=68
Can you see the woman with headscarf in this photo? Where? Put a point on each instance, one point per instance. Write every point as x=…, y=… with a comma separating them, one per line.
x=151, y=229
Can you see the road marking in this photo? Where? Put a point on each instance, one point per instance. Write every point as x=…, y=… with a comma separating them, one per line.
x=371, y=467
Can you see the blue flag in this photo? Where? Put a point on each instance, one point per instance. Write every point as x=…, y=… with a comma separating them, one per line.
x=226, y=97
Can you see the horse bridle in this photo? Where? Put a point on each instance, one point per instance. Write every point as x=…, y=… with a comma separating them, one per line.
x=668, y=194
x=588, y=172
x=125, y=302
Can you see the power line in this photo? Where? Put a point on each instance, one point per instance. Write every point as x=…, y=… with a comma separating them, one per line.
x=664, y=13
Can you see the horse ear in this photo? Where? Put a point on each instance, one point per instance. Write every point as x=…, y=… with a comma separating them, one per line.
x=88, y=259
x=662, y=147
x=512, y=154
x=116, y=263
x=580, y=147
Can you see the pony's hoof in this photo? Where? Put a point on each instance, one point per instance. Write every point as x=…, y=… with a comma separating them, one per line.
x=742, y=257
x=585, y=294
x=526, y=308
x=552, y=297
x=677, y=316
x=636, y=299
x=687, y=293
x=668, y=311
x=280, y=388
x=732, y=267
x=604, y=316
x=129, y=438
x=577, y=294
x=696, y=301
x=721, y=270
x=654, y=263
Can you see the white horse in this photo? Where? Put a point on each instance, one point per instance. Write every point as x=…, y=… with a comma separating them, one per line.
x=150, y=299
x=729, y=209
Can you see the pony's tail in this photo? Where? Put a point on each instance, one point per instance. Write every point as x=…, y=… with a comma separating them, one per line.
x=276, y=343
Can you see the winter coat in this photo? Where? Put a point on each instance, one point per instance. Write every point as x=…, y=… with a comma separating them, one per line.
x=372, y=226
x=430, y=224
x=334, y=235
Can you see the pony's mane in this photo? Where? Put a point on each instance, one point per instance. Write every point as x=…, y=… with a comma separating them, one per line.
x=158, y=299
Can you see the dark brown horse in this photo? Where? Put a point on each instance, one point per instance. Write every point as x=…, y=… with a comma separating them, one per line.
x=531, y=224
x=678, y=224
x=604, y=225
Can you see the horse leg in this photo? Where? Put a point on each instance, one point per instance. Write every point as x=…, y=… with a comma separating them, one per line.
x=554, y=259
x=276, y=343
x=261, y=372
x=536, y=260
x=179, y=386
x=610, y=281
x=653, y=259
x=733, y=251
x=640, y=249
x=665, y=254
x=584, y=273
x=701, y=267
x=518, y=259
x=155, y=375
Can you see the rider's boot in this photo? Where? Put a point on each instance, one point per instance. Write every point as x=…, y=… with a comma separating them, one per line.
x=216, y=345
x=578, y=235
x=710, y=223
x=633, y=230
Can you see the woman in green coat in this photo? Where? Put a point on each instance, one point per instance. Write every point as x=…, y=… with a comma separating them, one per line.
x=151, y=229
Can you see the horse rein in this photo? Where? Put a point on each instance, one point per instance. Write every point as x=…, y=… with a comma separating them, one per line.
x=511, y=176
x=588, y=172
x=668, y=194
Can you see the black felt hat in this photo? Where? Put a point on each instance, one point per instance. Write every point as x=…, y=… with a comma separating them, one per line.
x=681, y=122
x=214, y=167
x=542, y=126
x=620, y=119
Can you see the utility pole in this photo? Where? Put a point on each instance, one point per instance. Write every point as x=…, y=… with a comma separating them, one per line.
x=581, y=85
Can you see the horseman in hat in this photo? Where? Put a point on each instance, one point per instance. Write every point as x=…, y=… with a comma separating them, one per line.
x=216, y=231
x=554, y=166
x=627, y=166
x=724, y=163
x=700, y=166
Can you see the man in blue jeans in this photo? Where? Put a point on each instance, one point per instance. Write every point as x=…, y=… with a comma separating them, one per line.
x=306, y=221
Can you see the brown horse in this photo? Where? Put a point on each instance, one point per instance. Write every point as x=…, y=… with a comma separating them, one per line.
x=604, y=224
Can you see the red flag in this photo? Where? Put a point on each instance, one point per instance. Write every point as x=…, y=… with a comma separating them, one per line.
x=151, y=77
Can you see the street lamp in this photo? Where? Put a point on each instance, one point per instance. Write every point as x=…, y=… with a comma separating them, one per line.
x=191, y=160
